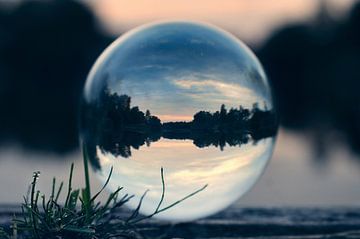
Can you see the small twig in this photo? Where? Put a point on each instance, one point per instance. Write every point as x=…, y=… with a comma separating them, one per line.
x=32, y=204
x=106, y=183
x=158, y=210
x=69, y=185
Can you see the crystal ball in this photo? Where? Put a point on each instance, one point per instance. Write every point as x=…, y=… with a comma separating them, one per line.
x=187, y=97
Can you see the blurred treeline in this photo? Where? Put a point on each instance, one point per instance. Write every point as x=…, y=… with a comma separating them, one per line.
x=315, y=72
x=46, y=51
x=48, y=47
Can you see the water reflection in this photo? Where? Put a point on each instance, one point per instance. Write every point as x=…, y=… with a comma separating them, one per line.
x=121, y=126
x=187, y=168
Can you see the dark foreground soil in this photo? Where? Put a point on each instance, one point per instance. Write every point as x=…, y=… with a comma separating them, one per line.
x=283, y=223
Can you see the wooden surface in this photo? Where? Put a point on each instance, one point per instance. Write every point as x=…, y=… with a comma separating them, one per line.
x=254, y=223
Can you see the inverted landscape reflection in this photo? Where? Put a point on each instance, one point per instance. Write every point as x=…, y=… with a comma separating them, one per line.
x=187, y=168
x=187, y=97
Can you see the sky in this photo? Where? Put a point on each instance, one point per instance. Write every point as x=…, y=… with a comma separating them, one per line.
x=176, y=70
x=250, y=20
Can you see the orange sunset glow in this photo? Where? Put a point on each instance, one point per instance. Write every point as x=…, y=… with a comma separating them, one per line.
x=170, y=118
x=252, y=20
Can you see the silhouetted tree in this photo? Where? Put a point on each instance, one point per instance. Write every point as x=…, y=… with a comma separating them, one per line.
x=222, y=113
x=120, y=127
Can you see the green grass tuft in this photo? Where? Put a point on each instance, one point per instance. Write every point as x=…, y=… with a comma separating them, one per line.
x=80, y=216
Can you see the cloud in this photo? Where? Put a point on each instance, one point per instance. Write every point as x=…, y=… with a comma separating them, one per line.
x=214, y=91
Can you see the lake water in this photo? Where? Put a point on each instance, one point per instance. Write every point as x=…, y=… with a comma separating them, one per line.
x=293, y=178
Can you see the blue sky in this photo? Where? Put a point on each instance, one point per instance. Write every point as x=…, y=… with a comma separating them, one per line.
x=177, y=69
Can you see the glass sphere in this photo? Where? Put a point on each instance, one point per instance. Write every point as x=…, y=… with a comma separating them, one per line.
x=185, y=96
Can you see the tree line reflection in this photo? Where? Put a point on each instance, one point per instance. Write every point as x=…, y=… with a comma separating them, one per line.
x=121, y=127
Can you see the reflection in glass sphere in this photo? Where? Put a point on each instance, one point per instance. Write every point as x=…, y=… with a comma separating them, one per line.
x=185, y=96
